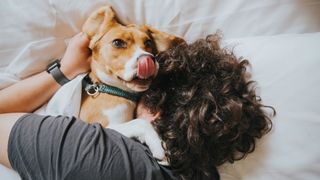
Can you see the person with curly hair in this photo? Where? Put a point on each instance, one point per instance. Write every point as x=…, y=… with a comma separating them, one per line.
x=202, y=105
x=209, y=111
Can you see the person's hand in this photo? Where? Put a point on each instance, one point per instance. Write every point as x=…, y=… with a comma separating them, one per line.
x=77, y=57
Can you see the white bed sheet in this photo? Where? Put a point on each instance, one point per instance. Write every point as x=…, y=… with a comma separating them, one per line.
x=280, y=38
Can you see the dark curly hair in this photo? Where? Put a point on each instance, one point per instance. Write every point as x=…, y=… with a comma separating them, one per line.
x=210, y=113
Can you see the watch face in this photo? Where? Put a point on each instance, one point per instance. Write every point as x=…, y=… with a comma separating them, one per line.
x=54, y=64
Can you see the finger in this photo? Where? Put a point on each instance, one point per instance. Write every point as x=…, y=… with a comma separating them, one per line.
x=85, y=35
x=84, y=39
x=77, y=35
x=89, y=59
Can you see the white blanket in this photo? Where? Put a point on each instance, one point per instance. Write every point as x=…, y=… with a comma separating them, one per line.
x=280, y=38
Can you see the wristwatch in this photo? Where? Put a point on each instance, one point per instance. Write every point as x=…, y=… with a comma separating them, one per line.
x=54, y=69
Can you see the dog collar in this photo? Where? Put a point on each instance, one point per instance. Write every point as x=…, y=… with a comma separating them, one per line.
x=93, y=89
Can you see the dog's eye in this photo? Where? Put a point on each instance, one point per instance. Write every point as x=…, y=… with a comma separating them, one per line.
x=119, y=43
x=148, y=43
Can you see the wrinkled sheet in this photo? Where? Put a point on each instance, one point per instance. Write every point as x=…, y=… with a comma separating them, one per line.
x=280, y=38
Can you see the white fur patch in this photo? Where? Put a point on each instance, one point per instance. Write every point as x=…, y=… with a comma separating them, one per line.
x=131, y=66
x=110, y=80
x=117, y=114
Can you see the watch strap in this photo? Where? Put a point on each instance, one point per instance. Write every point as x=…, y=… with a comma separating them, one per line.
x=57, y=74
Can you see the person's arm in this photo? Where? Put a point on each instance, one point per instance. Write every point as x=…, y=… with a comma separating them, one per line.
x=29, y=94
x=6, y=123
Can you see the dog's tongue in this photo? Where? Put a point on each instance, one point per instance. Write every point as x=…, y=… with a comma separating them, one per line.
x=146, y=67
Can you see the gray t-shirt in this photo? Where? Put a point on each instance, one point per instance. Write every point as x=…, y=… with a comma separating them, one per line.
x=61, y=148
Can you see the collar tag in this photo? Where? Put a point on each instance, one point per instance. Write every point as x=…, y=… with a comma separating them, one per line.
x=92, y=89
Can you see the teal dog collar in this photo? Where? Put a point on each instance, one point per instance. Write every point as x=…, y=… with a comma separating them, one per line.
x=93, y=89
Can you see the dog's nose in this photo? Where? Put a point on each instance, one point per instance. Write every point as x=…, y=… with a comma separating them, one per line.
x=146, y=66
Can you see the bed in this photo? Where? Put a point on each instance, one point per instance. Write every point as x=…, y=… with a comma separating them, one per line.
x=280, y=38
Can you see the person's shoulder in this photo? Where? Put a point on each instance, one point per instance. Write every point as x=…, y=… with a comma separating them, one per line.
x=169, y=175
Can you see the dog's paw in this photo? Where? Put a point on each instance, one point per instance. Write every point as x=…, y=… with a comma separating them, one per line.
x=153, y=141
x=156, y=148
x=144, y=132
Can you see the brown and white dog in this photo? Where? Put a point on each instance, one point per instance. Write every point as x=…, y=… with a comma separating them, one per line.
x=122, y=57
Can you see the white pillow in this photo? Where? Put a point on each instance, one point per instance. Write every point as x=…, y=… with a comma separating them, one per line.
x=286, y=69
x=33, y=32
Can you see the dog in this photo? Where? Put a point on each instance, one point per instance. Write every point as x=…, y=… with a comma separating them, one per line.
x=123, y=66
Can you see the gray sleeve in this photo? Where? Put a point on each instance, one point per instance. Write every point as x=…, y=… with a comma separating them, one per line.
x=47, y=147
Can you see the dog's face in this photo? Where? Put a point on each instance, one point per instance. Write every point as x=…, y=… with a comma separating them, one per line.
x=127, y=53
x=124, y=55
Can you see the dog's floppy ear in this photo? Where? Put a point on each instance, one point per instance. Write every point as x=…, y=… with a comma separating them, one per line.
x=163, y=41
x=98, y=23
